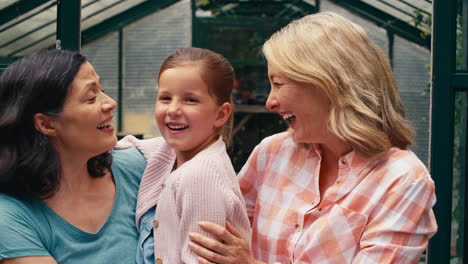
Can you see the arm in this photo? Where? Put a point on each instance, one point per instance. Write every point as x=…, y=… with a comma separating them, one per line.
x=205, y=194
x=398, y=231
x=21, y=241
x=146, y=146
x=29, y=260
x=248, y=182
x=235, y=248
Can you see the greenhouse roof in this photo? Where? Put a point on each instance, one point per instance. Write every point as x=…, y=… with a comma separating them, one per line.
x=28, y=25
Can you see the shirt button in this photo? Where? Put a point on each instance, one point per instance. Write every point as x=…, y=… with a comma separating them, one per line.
x=155, y=223
x=159, y=261
x=298, y=228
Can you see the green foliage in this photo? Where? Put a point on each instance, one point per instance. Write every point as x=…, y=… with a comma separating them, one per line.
x=423, y=22
x=257, y=128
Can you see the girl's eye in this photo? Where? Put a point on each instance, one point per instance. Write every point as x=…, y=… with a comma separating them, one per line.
x=92, y=99
x=192, y=100
x=164, y=98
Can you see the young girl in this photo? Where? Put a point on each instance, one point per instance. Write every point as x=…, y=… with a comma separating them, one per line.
x=190, y=171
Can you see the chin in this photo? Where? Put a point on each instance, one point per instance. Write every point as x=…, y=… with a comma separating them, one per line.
x=301, y=139
x=110, y=144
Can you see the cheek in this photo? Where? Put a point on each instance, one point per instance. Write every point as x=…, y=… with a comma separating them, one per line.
x=158, y=114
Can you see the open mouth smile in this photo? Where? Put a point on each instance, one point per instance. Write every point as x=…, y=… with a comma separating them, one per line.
x=105, y=125
x=289, y=118
x=177, y=127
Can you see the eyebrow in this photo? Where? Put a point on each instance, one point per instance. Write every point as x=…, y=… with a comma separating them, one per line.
x=94, y=83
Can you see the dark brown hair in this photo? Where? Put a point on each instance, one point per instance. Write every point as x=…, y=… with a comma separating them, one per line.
x=215, y=70
x=39, y=83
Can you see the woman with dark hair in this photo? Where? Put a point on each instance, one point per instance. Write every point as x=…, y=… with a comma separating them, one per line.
x=64, y=197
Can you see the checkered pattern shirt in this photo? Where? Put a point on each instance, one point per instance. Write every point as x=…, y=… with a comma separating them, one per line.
x=376, y=212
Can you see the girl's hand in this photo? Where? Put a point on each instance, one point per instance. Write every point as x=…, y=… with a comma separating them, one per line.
x=232, y=249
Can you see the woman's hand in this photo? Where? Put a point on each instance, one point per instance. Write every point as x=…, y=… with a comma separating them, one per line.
x=232, y=250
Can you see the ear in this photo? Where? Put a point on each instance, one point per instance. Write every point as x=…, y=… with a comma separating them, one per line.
x=224, y=111
x=44, y=124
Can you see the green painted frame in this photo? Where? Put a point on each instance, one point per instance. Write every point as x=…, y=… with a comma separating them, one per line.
x=69, y=25
x=446, y=81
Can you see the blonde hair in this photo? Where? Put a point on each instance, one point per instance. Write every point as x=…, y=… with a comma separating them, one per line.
x=331, y=52
x=217, y=73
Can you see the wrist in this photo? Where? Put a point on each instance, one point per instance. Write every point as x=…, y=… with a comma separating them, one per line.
x=254, y=261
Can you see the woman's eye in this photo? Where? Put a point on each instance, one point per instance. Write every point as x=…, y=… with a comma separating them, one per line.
x=92, y=99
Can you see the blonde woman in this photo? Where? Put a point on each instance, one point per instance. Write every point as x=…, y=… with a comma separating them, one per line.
x=342, y=185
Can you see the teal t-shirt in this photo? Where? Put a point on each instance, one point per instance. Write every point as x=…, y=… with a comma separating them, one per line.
x=30, y=228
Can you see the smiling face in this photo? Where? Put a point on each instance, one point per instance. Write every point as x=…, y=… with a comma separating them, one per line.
x=304, y=106
x=187, y=115
x=84, y=125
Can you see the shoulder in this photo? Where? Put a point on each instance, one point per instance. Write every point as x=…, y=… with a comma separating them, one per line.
x=202, y=172
x=146, y=146
x=277, y=139
x=128, y=157
x=15, y=212
x=20, y=218
x=400, y=169
x=11, y=204
x=276, y=143
x=207, y=180
x=209, y=166
x=399, y=161
x=128, y=165
x=279, y=145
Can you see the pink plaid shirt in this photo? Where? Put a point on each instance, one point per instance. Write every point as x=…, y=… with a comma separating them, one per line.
x=376, y=212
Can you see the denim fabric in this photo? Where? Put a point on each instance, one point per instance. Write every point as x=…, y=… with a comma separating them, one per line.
x=145, y=251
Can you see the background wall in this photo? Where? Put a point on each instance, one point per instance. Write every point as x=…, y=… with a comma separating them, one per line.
x=149, y=41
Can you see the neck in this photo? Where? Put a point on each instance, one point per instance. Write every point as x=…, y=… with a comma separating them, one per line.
x=334, y=148
x=75, y=177
x=184, y=156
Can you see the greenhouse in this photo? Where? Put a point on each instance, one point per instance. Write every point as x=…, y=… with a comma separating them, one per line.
x=425, y=41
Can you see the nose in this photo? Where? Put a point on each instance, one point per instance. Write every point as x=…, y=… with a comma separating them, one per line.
x=173, y=108
x=272, y=102
x=108, y=104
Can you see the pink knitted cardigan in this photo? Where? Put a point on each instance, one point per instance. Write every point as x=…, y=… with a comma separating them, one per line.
x=204, y=188
x=156, y=153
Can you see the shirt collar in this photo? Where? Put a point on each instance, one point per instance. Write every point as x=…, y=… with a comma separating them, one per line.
x=351, y=159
